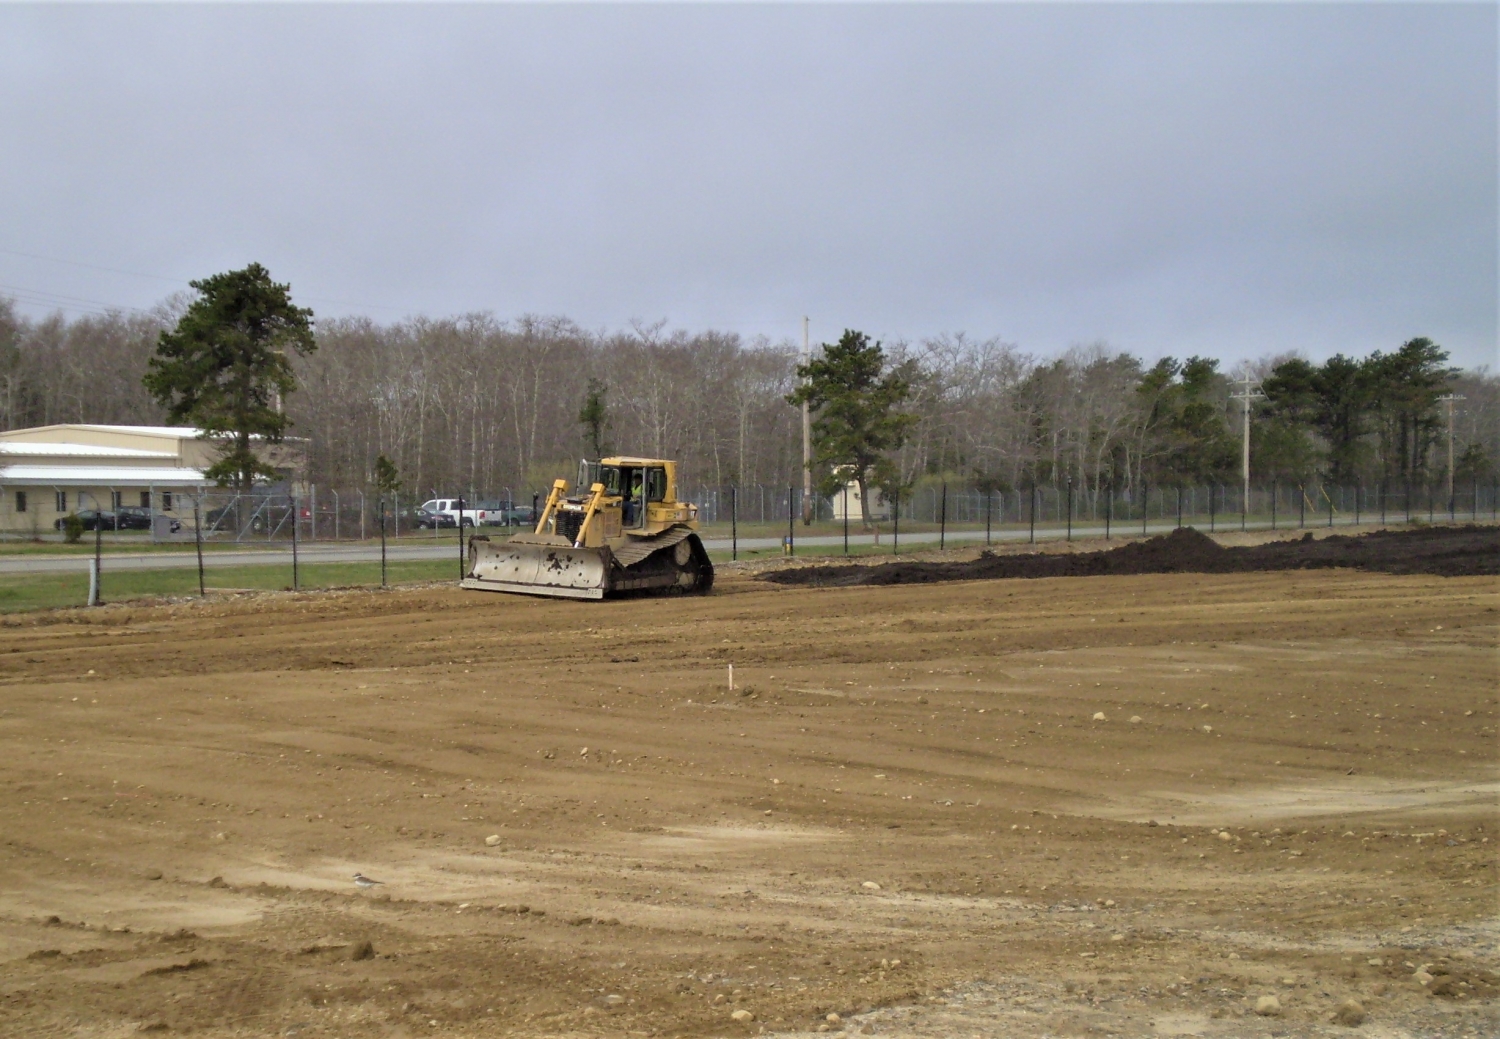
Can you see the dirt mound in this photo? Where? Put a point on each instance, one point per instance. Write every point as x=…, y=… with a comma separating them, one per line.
x=1444, y=551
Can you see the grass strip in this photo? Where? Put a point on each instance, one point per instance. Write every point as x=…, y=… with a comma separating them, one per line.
x=46, y=591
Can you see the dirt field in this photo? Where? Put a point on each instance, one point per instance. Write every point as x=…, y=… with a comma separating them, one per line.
x=909, y=814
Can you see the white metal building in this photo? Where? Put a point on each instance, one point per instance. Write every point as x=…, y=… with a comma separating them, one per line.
x=47, y=472
x=847, y=501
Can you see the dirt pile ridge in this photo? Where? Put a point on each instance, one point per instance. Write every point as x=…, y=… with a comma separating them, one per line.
x=1442, y=551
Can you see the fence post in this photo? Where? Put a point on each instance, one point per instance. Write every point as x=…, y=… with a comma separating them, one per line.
x=1212, y=518
x=734, y=523
x=1431, y=512
x=1274, y=489
x=896, y=523
x=791, y=514
x=988, y=495
x=312, y=524
x=335, y=514
x=296, y=586
x=1145, y=505
x=461, y=553
x=1033, y=512
x=382, y=542
x=1476, y=499
x=96, y=575
x=943, y=521
x=1179, y=505
x=361, y=516
x=1330, y=505
x=198, y=538
x=1070, y=508
x=846, y=517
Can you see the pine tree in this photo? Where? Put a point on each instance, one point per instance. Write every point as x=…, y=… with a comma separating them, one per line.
x=858, y=419
x=225, y=368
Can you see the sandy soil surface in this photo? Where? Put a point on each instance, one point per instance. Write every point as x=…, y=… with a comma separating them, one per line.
x=910, y=814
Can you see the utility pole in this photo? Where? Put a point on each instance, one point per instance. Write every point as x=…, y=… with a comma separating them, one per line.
x=807, y=499
x=1247, y=393
x=1450, y=399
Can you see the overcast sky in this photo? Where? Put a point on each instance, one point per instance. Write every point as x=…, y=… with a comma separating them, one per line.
x=1232, y=180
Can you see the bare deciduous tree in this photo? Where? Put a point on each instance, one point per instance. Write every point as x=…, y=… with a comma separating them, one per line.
x=476, y=404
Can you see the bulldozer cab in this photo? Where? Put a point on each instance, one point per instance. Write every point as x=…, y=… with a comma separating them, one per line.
x=636, y=483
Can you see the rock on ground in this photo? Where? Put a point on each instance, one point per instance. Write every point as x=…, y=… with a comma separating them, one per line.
x=1349, y=1014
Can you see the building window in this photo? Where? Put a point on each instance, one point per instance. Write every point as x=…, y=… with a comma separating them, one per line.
x=115, y=499
x=62, y=501
x=20, y=501
x=166, y=501
x=145, y=499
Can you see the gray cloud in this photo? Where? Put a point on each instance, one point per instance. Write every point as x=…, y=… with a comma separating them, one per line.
x=1224, y=179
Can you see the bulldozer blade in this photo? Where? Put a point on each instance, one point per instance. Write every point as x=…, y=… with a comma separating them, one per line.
x=532, y=564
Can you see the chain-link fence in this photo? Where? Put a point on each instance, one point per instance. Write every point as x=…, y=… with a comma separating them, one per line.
x=219, y=540
x=324, y=514
x=935, y=510
x=1052, y=504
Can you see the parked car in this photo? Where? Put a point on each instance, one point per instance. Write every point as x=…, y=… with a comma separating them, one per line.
x=502, y=513
x=473, y=515
x=127, y=517
x=427, y=520
x=91, y=519
x=493, y=512
x=133, y=517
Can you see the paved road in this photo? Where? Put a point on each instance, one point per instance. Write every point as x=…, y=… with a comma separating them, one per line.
x=408, y=550
x=316, y=552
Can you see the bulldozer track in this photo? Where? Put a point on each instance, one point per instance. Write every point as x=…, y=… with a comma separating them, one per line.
x=637, y=549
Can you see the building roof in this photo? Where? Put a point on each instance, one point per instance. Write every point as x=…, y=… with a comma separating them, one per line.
x=185, y=432
x=101, y=476
x=174, y=432
x=54, y=450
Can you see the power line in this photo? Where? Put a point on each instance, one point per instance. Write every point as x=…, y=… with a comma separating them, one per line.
x=55, y=306
x=93, y=266
x=63, y=300
x=180, y=281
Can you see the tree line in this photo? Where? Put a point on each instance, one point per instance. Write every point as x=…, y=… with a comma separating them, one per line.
x=483, y=406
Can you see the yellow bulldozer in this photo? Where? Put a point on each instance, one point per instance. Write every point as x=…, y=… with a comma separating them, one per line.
x=628, y=533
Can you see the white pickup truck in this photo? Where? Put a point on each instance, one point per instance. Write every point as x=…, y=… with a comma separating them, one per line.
x=448, y=507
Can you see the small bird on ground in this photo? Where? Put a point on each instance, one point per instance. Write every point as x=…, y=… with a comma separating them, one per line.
x=364, y=883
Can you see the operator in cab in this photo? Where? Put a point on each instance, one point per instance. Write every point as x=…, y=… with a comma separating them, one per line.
x=633, y=502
